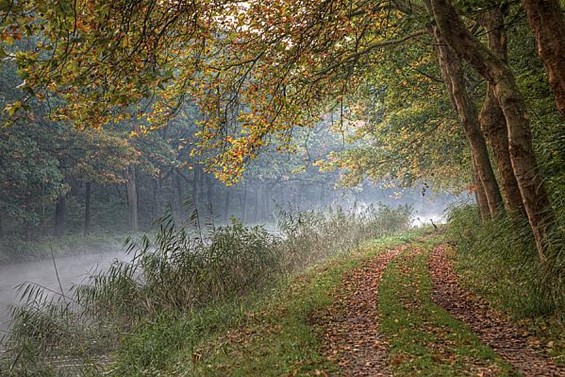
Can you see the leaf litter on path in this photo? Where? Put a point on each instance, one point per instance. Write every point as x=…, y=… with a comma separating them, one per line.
x=492, y=327
x=350, y=325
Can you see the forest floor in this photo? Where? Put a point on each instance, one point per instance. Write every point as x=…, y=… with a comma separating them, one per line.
x=394, y=308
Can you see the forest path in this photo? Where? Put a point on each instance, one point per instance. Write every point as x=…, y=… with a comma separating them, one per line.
x=403, y=314
x=492, y=327
x=351, y=324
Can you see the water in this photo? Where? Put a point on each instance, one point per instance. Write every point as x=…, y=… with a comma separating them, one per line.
x=72, y=270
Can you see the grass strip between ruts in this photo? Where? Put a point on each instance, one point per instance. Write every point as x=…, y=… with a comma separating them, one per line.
x=423, y=338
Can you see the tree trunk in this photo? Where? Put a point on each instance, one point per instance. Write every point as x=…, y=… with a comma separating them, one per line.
x=491, y=117
x=452, y=74
x=87, y=214
x=1, y=223
x=227, y=202
x=131, y=189
x=534, y=197
x=195, y=188
x=265, y=203
x=547, y=22
x=244, y=204
x=480, y=197
x=493, y=125
x=60, y=216
x=208, y=188
x=179, y=208
x=156, y=198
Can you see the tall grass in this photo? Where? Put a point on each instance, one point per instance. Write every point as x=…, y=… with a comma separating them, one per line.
x=312, y=235
x=172, y=279
x=499, y=259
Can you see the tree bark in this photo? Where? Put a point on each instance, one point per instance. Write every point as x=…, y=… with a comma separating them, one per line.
x=131, y=189
x=87, y=214
x=534, y=197
x=491, y=117
x=60, y=216
x=547, y=22
x=480, y=197
x=452, y=74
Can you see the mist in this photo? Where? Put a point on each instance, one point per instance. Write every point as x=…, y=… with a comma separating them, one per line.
x=290, y=196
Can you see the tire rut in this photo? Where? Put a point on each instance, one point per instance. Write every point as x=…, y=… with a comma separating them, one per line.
x=350, y=325
x=491, y=326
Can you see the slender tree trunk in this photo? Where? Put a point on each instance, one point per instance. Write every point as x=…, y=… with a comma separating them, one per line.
x=179, y=197
x=60, y=216
x=1, y=223
x=244, y=204
x=452, y=74
x=227, y=202
x=208, y=187
x=480, y=197
x=547, y=22
x=156, y=198
x=491, y=117
x=256, y=204
x=196, y=188
x=87, y=202
x=131, y=189
x=536, y=201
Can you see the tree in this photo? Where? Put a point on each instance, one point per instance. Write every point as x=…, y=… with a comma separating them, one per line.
x=491, y=117
x=547, y=21
x=453, y=78
x=255, y=70
x=31, y=179
x=536, y=201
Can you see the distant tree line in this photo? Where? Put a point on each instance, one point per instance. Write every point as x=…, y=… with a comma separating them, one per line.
x=59, y=180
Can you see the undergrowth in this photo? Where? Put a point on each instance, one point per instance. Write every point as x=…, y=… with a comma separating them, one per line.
x=178, y=288
x=498, y=260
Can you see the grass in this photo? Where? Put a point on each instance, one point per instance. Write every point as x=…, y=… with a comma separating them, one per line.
x=497, y=260
x=179, y=290
x=269, y=335
x=424, y=339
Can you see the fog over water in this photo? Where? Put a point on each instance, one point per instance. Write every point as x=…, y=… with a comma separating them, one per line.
x=71, y=269
x=76, y=269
